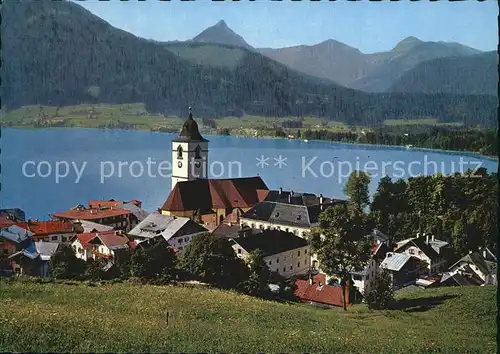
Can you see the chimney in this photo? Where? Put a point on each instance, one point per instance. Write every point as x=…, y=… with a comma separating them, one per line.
x=321, y=199
x=311, y=281
x=280, y=191
x=432, y=238
x=418, y=234
x=484, y=253
x=427, y=239
x=290, y=198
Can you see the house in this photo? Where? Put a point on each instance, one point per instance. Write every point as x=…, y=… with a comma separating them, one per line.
x=134, y=206
x=13, y=238
x=177, y=231
x=283, y=252
x=403, y=268
x=85, y=226
x=106, y=244
x=34, y=259
x=317, y=292
x=50, y=231
x=193, y=194
x=436, y=253
x=362, y=279
x=297, y=213
x=475, y=268
x=14, y=214
x=116, y=217
x=81, y=246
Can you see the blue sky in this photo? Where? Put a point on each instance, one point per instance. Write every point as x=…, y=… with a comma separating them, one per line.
x=368, y=26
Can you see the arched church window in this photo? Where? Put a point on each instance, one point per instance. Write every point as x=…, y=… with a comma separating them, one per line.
x=179, y=152
x=197, y=152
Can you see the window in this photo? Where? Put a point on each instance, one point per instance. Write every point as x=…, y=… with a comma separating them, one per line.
x=284, y=258
x=270, y=262
x=367, y=276
x=305, y=251
x=286, y=229
x=197, y=152
x=186, y=239
x=419, y=253
x=239, y=250
x=253, y=226
x=412, y=251
x=291, y=267
x=277, y=214
x=54, y=238
x=295, y=232
x=298, y=265
x=284, y=269
x=304, y=234
x=298, y=253
x=179, y=152
x=261, y=227
x=277, y=260
x=180, y=240
x=63, y=238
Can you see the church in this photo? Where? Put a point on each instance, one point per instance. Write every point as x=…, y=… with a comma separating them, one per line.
x=194, y=195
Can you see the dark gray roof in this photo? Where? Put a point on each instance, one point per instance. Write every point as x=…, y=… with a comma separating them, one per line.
x=286, y=214
x=271, y=242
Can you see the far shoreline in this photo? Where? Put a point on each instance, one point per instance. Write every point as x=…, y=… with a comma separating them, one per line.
x=399, y=147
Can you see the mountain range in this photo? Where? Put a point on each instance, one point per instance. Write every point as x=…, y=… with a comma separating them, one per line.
x=58, y=53
x=376, y=72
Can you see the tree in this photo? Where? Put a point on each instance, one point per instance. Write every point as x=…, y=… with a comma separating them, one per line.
x=257, y=283
x=155, y=264
x=94, y=270
x=357, y=190
x=379, y=295
x=65, y=265
x=340, y=243
x=212, y=260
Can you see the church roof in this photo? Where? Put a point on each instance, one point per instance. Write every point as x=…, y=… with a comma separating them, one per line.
x=215, y=194
x=189, y=131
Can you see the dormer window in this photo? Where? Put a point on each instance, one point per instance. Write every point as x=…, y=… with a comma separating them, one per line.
x=179, y=152
x=197, y=152
x=298, y=217
x=277, y=214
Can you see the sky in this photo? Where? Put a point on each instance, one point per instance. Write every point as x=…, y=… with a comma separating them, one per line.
x=369, y=26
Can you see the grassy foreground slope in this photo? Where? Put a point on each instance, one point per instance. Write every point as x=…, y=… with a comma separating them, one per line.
x=125, y=317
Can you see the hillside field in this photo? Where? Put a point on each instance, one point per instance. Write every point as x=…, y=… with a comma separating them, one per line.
x=124, y=317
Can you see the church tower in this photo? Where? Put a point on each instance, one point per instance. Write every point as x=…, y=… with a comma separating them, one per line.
x=189, y=153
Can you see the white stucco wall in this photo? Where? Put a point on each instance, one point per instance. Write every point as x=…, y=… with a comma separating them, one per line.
x=287, y=264
x=188, y=170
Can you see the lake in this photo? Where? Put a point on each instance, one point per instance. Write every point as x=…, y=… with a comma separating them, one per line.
x=50, y=170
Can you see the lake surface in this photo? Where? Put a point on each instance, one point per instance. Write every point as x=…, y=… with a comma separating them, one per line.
x=316, y=167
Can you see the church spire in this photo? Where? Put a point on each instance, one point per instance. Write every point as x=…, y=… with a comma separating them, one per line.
x=190, y=130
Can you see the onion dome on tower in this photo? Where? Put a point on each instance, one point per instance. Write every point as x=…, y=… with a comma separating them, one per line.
x=190, y=130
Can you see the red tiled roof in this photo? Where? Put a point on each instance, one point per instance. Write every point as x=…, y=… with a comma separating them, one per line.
x=262, y=194
x=85, y=238
x=328, y=295
x=6, y=222
x=215, y=194
x=40, y=228
x=91, y=214
x=95, y=204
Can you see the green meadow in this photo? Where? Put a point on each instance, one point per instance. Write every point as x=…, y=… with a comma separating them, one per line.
x=122, y=317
